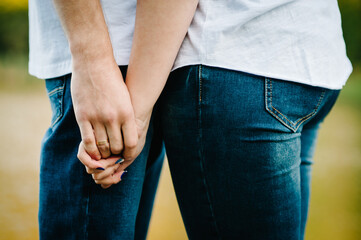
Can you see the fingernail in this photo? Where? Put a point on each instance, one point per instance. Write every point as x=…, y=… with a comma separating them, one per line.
x=100, y=168
x=119, y=161
x=123, y=174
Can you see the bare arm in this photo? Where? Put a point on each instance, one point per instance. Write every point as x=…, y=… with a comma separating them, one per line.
x=160, y=28
x=101, y=100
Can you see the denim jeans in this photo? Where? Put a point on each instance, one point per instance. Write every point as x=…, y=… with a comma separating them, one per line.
x=240, y=150
x=239, y=147
x=71, y=205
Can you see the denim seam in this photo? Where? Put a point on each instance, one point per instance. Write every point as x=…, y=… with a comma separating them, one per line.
x=200, y=83
x=86, y=215
x=296, y=124
x=202, y=151
x=60, y=89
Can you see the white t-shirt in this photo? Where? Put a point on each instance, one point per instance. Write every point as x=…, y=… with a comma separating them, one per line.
x=49, y=54
x=293, y=40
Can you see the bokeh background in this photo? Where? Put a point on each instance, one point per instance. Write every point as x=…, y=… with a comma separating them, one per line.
x=335, y=209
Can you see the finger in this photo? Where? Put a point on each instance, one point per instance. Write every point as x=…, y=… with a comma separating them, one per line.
x=115, y=138
x=85, y=158
x=102, y=140
x=92, y=170
x=88, y=139
x=130, y=135
x=112, y=179
x=110, y=161
x=121, y=173
x=124, y=165
x=106, y=163
x=106, y=173
x=105, y=186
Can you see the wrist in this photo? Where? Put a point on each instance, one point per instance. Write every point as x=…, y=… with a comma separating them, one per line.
x=88, y=52
x=141, y=99
x=94, y=63
x=142, y=113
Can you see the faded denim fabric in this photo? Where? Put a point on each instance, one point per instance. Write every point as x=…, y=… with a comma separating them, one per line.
x=240, y=150
x=71, y=205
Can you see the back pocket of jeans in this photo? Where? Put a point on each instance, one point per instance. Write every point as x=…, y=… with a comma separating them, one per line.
x=292, y=103
x=55, y=91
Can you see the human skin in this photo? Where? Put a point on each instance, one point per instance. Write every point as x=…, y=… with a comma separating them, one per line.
x=160, y=28
x=100, y=97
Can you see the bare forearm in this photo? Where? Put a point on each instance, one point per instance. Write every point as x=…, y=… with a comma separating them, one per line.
x=160, y=28
x=101, y=101
x=86, y=30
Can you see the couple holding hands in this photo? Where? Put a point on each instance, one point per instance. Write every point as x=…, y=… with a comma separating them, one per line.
x=234, y=91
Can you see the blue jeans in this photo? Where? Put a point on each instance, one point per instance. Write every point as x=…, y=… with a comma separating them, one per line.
x=240, y=151
x=71, y=205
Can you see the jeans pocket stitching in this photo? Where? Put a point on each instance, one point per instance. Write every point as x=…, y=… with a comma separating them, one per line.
x=282, y=118
x=59, y=90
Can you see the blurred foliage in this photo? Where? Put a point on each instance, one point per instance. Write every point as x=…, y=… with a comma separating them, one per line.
x=14, y=27
x=351, y=24
x=13, y=31
x=13, y=5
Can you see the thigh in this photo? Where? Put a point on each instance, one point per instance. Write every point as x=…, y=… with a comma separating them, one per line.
x=153, y=170
x=308, y=145
x=234, y=161
x=71, y=205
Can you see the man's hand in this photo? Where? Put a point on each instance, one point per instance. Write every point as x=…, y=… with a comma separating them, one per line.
x=160, y=27
x=103, y=109
x=101, y=101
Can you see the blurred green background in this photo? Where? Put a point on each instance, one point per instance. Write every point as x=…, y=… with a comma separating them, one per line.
x=335, y=209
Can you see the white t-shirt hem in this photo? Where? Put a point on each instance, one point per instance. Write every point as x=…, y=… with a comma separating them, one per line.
x=334, y=86
x=65, y=67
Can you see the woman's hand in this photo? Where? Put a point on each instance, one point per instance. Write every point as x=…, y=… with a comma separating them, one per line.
x=114, y=167
x=102, y=168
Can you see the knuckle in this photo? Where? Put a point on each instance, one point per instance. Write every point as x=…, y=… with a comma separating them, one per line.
x=116, y=149
x=110, y=117
x=131, y=144
x=87, y=140
x=82, y=116
x=127, y=114
x=104, y=148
